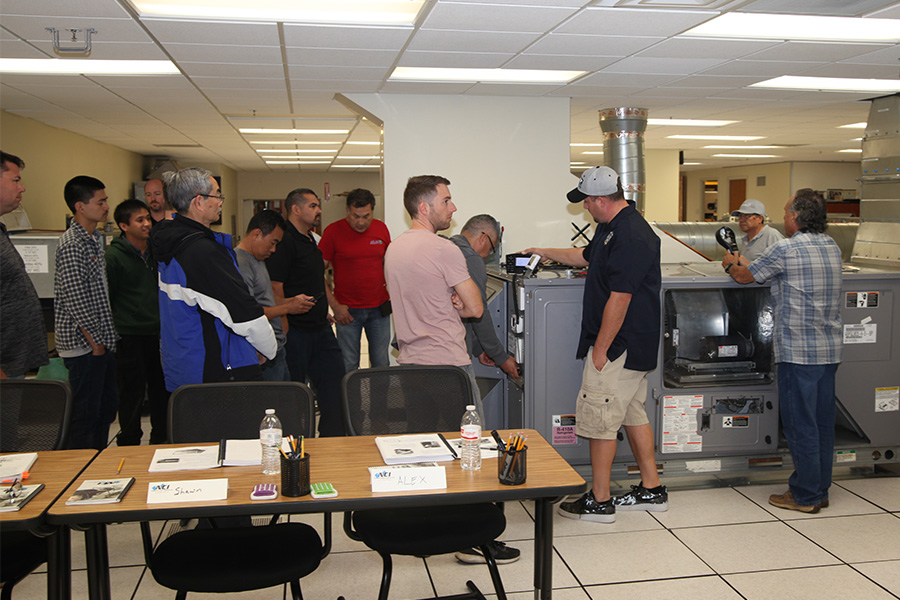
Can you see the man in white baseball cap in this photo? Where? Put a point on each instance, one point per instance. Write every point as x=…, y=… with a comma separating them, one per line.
x=619, y=343
x=757, y=235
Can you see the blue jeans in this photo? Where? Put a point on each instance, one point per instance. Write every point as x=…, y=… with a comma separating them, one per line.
x=277, y=368
x=807, y=405
x=378, y=334
x=314, y=357
x=95, y=399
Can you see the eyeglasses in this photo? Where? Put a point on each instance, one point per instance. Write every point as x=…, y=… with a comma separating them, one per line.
x=220, y=196
x=490, y=241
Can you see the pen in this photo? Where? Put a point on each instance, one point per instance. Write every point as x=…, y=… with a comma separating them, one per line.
x=446, y=443
x=121, y=462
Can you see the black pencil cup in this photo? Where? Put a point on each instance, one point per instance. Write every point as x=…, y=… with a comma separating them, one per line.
x=295, y=476
x=512, y=467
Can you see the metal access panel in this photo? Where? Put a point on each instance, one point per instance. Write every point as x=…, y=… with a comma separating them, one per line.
x=39, y=254
x=868, y=380
x=715, y=385
x=492, y=382
x=552, y=326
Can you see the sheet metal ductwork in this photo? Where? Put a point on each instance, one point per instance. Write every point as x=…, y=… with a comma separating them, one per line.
x=880, y=179
x=623, y=148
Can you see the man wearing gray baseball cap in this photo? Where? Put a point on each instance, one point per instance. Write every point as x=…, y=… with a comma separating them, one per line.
x=619, y=342
x=757, y=235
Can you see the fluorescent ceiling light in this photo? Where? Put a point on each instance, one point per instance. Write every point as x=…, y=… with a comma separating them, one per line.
x=690, y=122
x=722, y=138
x=483, y=75
x=360, y=157
x=298, y=162
x=302, y=158
x=575, y=164
x=853, y=126
x=715, y=147
x=687, y=164
x=295, y=131
x=355, y=166
x=87, y=66
x=365, y=143
x=361, y=12
x=830, y=84
x=797, y=27
x=745, y=155
x=852, y=150
x=594, y=152
x=296, y=150
x=295, y=142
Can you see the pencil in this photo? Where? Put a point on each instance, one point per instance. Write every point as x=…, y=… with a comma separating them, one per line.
x=121, y=462
x=302, y=446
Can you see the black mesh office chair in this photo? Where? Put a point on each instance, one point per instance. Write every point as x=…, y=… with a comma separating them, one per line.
x=417, y=399
x=34, y=416
x=220, y=558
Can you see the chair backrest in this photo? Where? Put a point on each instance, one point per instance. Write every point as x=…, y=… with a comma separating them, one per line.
x=209, y=412
x=34, y=415
x=405, y=399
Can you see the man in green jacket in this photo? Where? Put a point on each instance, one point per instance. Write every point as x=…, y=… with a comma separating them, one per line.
x=134, y=298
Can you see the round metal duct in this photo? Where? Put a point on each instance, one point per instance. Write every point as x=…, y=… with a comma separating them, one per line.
x=623, y=148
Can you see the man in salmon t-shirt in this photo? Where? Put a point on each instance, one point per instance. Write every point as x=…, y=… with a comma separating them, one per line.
x=430, y=287
x=354, y=247
x=431, y=292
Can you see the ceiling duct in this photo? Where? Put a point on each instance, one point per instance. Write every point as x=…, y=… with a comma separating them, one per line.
x=880, y=178
x=878, y=239
x=623, y=148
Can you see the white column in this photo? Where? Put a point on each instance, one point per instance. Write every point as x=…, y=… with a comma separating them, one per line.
x=505, y=156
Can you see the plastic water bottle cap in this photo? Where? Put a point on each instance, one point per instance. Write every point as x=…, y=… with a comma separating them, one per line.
x=470, y=407
x=270, y=411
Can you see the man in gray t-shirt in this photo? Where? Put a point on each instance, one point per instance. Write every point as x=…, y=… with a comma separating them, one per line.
x=264, y=232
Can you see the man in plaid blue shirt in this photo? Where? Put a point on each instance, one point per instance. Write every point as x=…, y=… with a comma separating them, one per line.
x=85, y=334
x=805, y=271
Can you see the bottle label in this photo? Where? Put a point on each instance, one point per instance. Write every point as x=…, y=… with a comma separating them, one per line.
x=270, y=437
x=470, y=432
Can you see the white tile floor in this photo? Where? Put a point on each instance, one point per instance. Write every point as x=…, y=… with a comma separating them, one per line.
x=716, y=543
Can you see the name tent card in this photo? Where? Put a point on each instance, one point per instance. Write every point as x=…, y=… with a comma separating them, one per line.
x=194, y=490
x=411, y=477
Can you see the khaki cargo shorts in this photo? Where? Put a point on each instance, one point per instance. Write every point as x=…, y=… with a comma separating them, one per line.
x=609, y=398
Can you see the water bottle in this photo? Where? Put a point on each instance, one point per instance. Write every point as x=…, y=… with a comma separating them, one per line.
x=470, y=431
x=270, y=439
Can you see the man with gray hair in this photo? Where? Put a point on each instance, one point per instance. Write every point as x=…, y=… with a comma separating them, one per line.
x=211, y=328
x=479, y=237
x=805, y=271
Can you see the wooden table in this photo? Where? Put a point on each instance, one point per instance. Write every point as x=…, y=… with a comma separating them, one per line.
x=56, y=469
x=342, y=461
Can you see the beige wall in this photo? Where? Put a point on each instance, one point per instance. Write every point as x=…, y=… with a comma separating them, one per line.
x=661, y=178
x=261, y=185
x=825, y=176
x=53, y=156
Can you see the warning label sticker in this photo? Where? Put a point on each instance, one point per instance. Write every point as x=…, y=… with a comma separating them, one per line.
x=887, y=399
x=861, y=299
x=563, y=428
x=680, y=424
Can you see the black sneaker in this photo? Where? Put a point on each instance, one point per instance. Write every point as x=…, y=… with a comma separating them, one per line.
x=587, y=508
x=640, y=498
x=503, y=554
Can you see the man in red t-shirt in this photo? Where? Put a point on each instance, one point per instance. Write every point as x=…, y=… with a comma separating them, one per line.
x=354, y=247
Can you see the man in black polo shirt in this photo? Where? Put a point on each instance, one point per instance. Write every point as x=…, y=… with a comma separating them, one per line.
x=620, y=328
x=297, y=267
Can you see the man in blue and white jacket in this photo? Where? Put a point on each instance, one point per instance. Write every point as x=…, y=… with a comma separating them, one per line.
x=211, y=328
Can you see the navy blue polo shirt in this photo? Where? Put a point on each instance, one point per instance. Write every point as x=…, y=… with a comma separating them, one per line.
x=297, y=263
x=623, y=256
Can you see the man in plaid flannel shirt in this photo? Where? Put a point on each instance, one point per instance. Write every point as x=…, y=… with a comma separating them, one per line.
x=85, y=334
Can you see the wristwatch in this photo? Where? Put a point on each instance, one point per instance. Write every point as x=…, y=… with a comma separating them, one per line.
x=729, y=267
